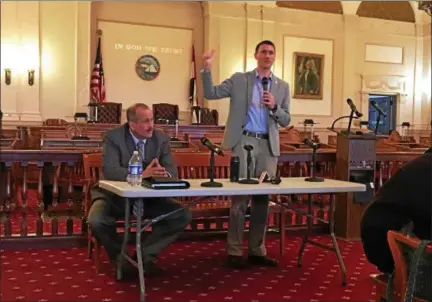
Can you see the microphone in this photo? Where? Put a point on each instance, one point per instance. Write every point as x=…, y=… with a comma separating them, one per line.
x=265, y=84
x=248, y=180
x=310, y=143
x=377, y=108
x=216, y=149
x=313, y=164
x=354, y=108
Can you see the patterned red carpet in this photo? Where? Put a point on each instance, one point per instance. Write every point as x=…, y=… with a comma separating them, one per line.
x=195, y=272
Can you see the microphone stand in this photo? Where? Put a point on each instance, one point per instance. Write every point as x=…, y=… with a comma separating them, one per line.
x=314, y=178
x=211, y=183
x=249, y=180
x=377, y=122
x=76, y=117
x=351, y=116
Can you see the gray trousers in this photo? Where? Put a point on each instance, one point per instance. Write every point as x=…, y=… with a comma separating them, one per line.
x=262, y=160
x=106, y=211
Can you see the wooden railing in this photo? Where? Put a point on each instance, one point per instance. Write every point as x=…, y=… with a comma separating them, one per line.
x=33, y=157
x=25, y=172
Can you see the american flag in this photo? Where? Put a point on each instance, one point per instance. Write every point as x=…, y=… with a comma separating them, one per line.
x=97, y=85
x=192, y=83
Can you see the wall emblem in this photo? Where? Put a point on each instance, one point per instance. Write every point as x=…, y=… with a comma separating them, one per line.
x=147, y=67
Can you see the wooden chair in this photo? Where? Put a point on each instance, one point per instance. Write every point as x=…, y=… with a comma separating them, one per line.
x=92, y=171
x=209, y=117
x=110, y=113
x=398, y=244
x=165, y=113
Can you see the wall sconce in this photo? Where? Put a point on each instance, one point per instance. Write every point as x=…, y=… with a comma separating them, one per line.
x=8, y=76
x=31, y=73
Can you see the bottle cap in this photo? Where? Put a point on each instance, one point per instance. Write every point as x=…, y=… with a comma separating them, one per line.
x=135, y=152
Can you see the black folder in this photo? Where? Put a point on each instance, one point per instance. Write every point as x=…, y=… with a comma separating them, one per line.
x=165, y=183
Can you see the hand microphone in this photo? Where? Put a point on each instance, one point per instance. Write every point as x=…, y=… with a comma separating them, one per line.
x=265, y=84
x=216, y=149
x=354, y=108
x=377, y=108
x=310, y=143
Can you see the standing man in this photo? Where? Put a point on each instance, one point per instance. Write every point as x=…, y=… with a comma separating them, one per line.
x=119, y=144
x=253, y=120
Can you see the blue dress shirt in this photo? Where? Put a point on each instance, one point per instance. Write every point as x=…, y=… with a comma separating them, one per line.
x=257, y=116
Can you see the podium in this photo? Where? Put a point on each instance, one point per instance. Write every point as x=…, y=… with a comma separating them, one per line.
x=355, y=162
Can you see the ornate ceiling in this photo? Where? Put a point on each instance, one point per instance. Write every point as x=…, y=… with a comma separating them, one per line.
x=387, y=10
x=334, y=7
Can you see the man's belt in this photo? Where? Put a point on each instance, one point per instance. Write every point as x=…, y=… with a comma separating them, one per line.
x=256, y=135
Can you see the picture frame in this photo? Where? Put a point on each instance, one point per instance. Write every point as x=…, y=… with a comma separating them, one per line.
x=308, y=76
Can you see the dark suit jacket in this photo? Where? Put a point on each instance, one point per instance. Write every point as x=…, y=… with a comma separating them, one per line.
x=118, y=147
x=405, y=198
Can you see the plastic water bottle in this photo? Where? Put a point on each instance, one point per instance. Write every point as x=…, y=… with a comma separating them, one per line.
x=135, y=170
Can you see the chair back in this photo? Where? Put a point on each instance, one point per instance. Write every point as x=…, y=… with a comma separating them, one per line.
x=165, y=113
x=403, y=248
x=209, y=116
x=92, y=166
x=110, y=113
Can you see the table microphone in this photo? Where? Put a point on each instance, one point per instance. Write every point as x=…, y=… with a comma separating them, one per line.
x=216, y=149
x=248, y=180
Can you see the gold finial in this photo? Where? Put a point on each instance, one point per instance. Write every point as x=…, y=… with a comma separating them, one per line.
x=99, y=32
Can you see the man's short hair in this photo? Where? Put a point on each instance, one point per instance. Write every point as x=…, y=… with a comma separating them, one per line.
x=131, y=115
x=265, y=42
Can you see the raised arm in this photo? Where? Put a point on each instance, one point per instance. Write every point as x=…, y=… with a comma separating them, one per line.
x=212, y=92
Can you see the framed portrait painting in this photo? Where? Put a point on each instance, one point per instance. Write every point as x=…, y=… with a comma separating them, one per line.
x=308, y=76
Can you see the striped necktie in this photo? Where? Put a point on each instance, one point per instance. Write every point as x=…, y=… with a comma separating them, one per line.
x=140, y=149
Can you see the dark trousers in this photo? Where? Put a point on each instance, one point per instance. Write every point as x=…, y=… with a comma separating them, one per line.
x=105, y=212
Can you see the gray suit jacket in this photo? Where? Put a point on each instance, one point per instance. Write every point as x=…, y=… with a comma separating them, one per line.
x=239, y=88
x=118, y=147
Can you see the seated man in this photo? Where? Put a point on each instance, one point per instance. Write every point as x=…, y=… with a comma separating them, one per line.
x=119, y=144
x=405, y=198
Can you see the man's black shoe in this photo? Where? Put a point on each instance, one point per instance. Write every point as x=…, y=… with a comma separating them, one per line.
x=262, y=261
x=236, y=262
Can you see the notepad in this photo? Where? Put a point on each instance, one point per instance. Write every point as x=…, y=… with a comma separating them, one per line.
x=166, y=183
